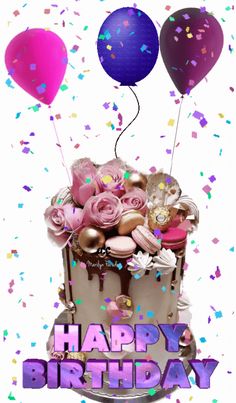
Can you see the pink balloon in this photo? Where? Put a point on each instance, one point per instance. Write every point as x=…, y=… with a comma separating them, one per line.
x=36, y=59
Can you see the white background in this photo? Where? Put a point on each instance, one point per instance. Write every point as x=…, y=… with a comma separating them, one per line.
x=23, y=229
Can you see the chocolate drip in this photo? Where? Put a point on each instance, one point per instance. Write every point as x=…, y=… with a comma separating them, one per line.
x=68, y=266
x=182, y=267
x=180, y=255
x=158, y=277
x=101, y=266
x=173, y=279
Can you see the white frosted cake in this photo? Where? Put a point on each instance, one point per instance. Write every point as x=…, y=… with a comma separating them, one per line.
x=123, y=236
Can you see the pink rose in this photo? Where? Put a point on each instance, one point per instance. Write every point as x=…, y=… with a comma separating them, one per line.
x=83, y=174
x=103, y=211
x=135, y=199
x=57, y=355
x=110, y=178
x=61, y=221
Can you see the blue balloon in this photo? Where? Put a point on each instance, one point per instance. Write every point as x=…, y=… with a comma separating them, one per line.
x=128, y=45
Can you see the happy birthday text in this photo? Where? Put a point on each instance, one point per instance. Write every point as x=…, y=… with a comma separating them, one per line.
x=122, y=374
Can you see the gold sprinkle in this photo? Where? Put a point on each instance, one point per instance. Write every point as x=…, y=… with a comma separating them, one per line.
x=161, y=186
x=107, y=179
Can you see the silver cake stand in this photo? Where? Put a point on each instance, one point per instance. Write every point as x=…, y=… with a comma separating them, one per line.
x=185, y=353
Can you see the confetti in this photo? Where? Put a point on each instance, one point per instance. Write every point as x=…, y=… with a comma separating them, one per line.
x=203, y=122
x=152, y=170
x=106, y=105
x=9, y=83
x=217, y=272
x=11, y=397
x=63, y=87
x=192, y=380
x=152, y=392
x=215, y=240
x=198, y=115
x=150, y=314
x=212, y=178
x=218, y=314
x=119, y=266
x=27, y=188
x=143, y=48
x=206, y=189
x=78, y=302
x=171, y=122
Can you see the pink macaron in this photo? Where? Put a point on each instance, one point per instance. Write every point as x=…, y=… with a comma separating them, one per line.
x=174, y=238
x=145, y=239
x=121, y=246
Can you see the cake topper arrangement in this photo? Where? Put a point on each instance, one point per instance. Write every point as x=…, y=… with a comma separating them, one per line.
x=115, y=198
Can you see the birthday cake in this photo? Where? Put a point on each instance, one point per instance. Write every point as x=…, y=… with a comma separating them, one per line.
x=123, y=236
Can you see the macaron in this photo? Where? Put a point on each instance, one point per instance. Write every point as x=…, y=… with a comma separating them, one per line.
x=174, y=238
x=146, y=240
x=120, y=246
x=129, y=222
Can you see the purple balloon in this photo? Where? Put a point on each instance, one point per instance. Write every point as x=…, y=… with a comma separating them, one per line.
x=128, y=45
x=191, y=41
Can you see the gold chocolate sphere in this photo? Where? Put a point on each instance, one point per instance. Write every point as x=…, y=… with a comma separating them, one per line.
x=136, y=179
x=161, y=217
x=91, y=239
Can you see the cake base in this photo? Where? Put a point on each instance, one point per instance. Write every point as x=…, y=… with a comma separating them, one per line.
x=185, y=353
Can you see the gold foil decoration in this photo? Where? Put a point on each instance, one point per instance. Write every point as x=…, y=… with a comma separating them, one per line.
x=75, y=356
x=76, y=246
x=161, y=217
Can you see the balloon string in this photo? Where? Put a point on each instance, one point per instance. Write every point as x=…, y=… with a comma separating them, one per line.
x=130, y=123
x=176, y=133
x=60, y=147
